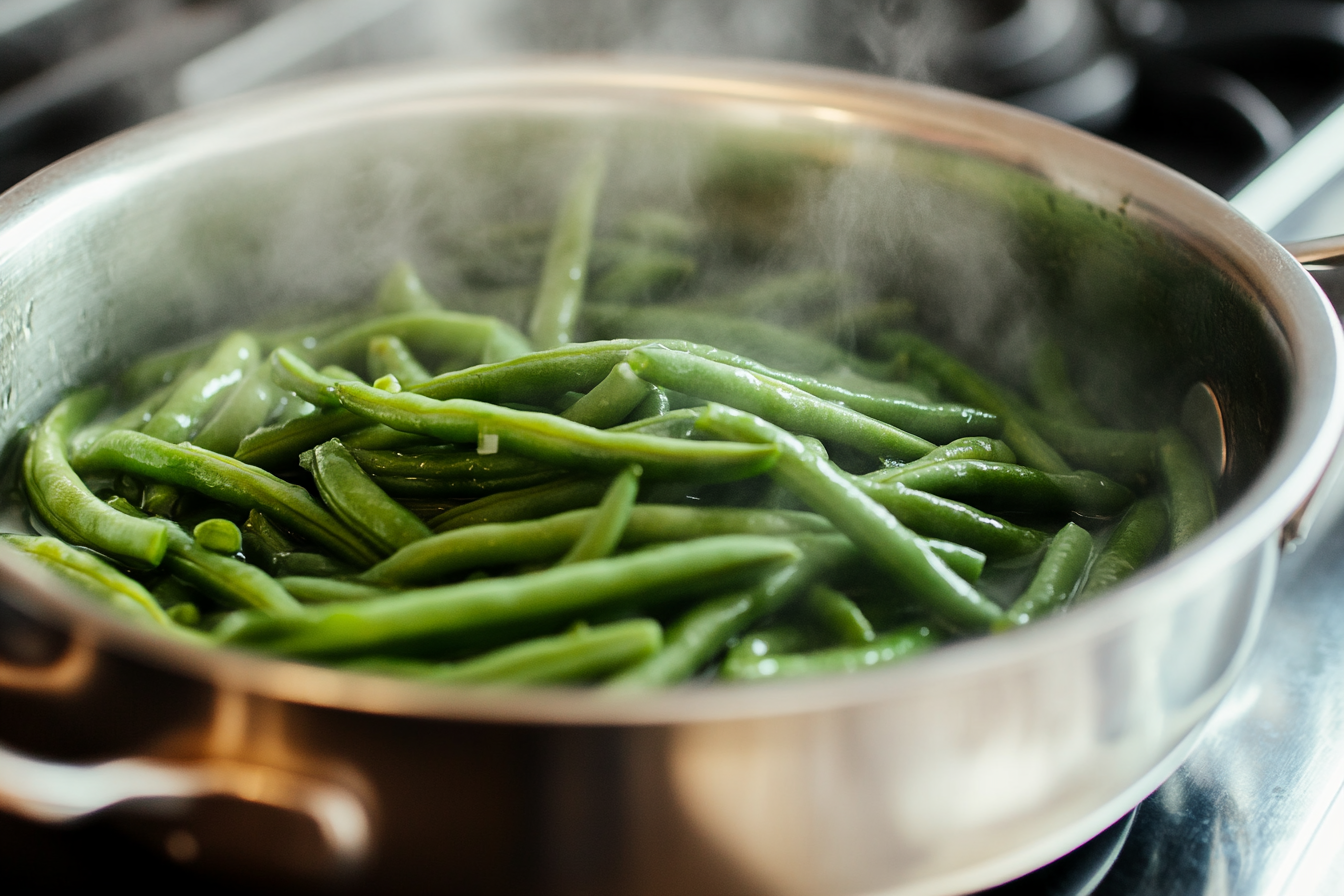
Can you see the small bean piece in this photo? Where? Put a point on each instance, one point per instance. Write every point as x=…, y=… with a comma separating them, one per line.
x=611, y=400
x=839, y=616
x=604, y=528
x=389, y=355
x=220, y=536
x=1057, y=578
x=1135, y=538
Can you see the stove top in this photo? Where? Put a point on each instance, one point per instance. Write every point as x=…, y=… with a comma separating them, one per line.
x=1231, y=93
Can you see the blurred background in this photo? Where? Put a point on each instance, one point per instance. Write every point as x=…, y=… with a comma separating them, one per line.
x=1218, y=90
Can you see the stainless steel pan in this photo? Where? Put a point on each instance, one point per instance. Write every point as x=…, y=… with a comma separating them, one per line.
x=953, y=772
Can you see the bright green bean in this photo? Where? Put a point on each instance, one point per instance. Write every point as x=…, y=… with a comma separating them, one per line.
x=883, y=539
x=524, y=503
x=605, y=526
x=228, y=480
x=1190, y=500
x=64, y=502
x=1012, y=487
x=389, y=355
x=969, y=448
x=611, y=400
x=358, y=501
x=124, y=594
x=197, y=393
x=1061, y=571
x=780, y=403
x=437, y=617
x=241, y=413
x=935, y=517
x=554, y=440
x=565, y=271
x=839, y=616
x=1135, y=538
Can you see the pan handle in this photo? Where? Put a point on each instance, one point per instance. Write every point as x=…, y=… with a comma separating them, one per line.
x=54, y=792
x=1327, y=251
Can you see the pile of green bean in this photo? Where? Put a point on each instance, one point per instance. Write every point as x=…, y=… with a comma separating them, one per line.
x=422, y=492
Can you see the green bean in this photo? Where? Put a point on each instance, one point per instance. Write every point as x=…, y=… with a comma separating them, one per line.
x=579, y=655
x=447, y=462
x=64, y=502
x=85, y=570
x=231, y=582
x=140, y=413
x=780, y=403
x=278, y=446
x=701, y=632
x=655, y=403
x=322, y=590
x=839, y=616
x=430, y=334
x=228, y=480
x=1190, y=500
x=308, y=563
x=161, y=369
x=220, y=536
x=490, y=544
x=436, y=617
x=643, y=275
x=936, y=423
x=901, y=644
x=1129, y=456
x=241, y=413
x=1052, y=387
x=291, y=372
x=772, y=641
x=185, y=614
x=401, y=290
x=524, y=503
x=358, y=501
x=389, y=355
x=883, y=539
x=382, y=438
x=935, y=517
x=611, y=400
x=605, y=526
x=966, y=385
x=964, y=561
x=538, y=378
x=775, y=346
x=197, y=393
x=1135, y=538
x=969, y=448
x=161, y=499
x=1061, y=571
x=554, y=440
x=1013, y=487
x=565, y=271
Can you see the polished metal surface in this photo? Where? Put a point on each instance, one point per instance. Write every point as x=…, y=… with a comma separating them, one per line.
x=954, y=772
x=1259, y=808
